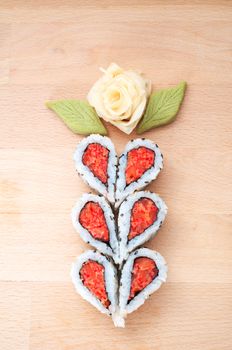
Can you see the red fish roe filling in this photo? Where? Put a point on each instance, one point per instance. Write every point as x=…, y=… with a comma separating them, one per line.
x=143, y=273
x=95, y=158
x=138, y=161
x=92, y=276
x=92, y=219
x=144, y=214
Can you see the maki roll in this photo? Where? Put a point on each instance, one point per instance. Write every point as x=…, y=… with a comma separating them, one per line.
x=93, y=219
x=143, y=273
x=95, y=279
x=140, y=217
x=139, y=164
x=96, y=162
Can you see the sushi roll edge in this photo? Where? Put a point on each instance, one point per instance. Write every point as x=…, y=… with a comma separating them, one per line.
x=124, y=222
x=111, y=249
x=110, y=278
x=85, y=172
x=126, y=277
x=123, y=190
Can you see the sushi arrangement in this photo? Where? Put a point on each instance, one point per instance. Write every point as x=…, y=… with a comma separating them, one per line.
x=118, y=276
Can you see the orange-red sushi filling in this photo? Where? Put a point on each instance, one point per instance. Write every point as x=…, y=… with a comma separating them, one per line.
x=144, y=213
x=138, y=161
x=92, y=275
x=96, y=158
x=143, y=273
x=92, y=218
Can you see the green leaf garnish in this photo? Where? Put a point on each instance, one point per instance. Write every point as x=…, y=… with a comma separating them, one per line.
x=79, y=116
x=162, y=107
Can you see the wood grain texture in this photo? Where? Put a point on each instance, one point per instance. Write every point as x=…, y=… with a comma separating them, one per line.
x=52, y=49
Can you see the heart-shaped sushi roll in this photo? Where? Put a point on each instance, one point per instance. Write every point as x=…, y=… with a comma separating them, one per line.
x=95, y=279
x=139, y=164
x=143, y=273
x=93, y=219
x=140, y=217
x=96, y=162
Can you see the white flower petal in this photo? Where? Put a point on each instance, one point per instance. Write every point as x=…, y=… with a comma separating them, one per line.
x=120, y=97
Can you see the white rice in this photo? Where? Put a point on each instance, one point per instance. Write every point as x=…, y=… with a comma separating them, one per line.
x=111, y=282
x=88, y=176
x=124, y=216
x=110, y=249
x=122, y=190
x=125, y=282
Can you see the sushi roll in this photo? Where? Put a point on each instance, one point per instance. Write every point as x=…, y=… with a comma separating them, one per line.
x=93, y=219
x=139, y=164
x=95, y=279
x=96, y=162
x=140, y=217
x=143, y=273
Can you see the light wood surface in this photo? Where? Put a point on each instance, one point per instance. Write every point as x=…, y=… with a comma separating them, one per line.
x=52, y=50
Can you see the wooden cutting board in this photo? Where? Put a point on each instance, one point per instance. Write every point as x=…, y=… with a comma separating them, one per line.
x=52, y=50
